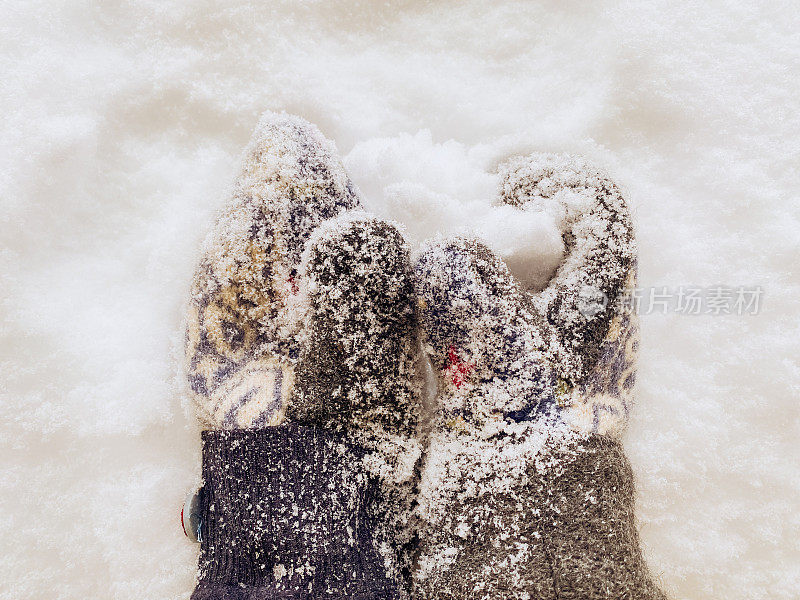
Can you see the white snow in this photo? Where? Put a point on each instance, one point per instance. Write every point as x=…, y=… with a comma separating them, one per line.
x=123, y=126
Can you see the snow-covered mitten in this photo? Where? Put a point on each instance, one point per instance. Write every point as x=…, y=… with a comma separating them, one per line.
x=242, y=331
x=526, y=491
x=356, y=376
x=291, y=504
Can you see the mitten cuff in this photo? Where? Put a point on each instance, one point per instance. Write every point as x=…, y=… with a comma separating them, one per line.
x=287, y=514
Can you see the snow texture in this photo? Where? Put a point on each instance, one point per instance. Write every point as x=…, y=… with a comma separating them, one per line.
x=123, y=130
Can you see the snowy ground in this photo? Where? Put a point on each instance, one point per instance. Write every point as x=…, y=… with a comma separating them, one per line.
x=122, y=127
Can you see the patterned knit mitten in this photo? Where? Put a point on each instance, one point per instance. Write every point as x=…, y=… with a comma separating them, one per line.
x=293, y=504
x=243, y=331
x=526, y=492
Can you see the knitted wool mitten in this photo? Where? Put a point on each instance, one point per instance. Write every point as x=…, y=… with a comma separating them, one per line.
x=356, y=375
x=303, y=453
x=526, y=492
x=243, y=332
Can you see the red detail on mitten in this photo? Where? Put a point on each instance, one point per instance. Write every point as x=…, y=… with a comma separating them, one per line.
x=293, y=287
x=457, y=370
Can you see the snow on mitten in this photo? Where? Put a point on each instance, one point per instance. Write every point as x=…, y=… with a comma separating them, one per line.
x=591, y=328
x=288, y=508
x=526, y=492
x=242, y=332
x=356, y=375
